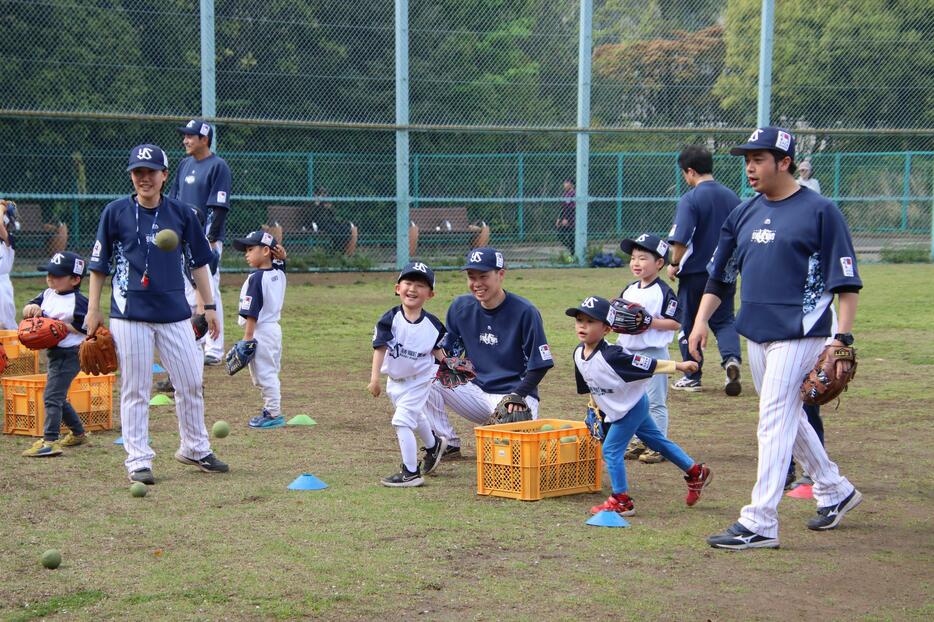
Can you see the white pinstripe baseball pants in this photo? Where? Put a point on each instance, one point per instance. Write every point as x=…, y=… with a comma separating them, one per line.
x=778, y=367
x=467, y=400
x=215, y=347
x=136, y=343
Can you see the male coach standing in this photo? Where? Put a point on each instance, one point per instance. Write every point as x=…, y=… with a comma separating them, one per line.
x=203, y=182
x=794, y=252
x=503, y=336
x=693, y=238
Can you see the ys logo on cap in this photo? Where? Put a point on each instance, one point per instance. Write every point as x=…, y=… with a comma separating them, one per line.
x=144, y=153
x=589, y=303
x=420, y=267
x=476, y=257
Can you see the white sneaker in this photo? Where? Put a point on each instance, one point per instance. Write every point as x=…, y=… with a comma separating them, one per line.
x=687, y=384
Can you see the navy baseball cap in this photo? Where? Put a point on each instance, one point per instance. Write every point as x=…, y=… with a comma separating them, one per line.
x=254, y=238
x=771, y=138
x=65, y=264
x=485, y=258
x=196, y=127
x=420, y=270
x=148, y=156
x=596, y=307
x=646, y=242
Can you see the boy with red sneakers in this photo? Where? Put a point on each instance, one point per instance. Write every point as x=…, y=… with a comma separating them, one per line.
x=616, y=381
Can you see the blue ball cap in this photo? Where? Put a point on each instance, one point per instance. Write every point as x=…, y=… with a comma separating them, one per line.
x=148, y=156
x=485, y=258
x=254, y=238
x=197, y=127
x=65, y=264
x=646, y=242
x=419, y=270
x=596, y=307
x=772, y=138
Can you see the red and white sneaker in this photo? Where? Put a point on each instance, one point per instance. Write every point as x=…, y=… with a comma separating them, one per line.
x=619, y=503
x=697, y=478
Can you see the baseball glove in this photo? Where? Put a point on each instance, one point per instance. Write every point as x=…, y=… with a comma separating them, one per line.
x=594, y=420
x=827, y=380
x=39, y=333
x=200, y=325
x=97, y=354
x=630, y=318
x=454, y=371
x=240, y=355
x=3, y=359
x=520, y=411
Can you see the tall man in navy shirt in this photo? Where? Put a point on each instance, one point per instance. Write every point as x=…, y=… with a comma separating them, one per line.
x=794, y=252
x=693, y=238
x=203, y=182
x=503, y=335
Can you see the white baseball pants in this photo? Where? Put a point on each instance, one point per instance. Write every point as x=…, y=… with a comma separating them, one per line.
x=264, y=368
x=408, y=396
x=467, y=400
x=215, y=347
x=778, y=367
x=7, y=304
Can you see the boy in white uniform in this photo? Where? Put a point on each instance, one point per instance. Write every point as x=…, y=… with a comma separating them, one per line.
x=412, y=338
x=261, y=300
x=647, y=256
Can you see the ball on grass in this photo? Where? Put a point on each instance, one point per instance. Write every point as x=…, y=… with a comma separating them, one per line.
x=221, y=429
x=167, y=240
x=51, y=559
x=138, y=489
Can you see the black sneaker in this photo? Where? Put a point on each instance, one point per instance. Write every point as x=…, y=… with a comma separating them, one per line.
x=830, y=516
x=404, y=479
x=790, y=479
x=165, y=386
x=143, y=475
x=453, y=452
x=433, y=456
x=737, y=538
x=208, y=464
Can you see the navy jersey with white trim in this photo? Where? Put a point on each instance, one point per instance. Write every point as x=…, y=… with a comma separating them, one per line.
x=123, y=243
x=698, y=218
x=262, y=296
x=70, y=307
x=204, y=184
x=408, y=344
x=792, y=254
x=615, y=378
x=503, y=343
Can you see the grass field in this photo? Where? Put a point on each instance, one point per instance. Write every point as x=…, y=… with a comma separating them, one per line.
x=242, y=547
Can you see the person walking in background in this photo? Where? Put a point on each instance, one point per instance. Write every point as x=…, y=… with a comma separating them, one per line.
x=565, y=223
x=693, y=238
x=804, y=177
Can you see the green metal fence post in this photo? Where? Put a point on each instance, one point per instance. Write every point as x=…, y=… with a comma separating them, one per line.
x=521, y=189
x=837, y=157
x=906, y=191
x=619, y=194
x=310, y=191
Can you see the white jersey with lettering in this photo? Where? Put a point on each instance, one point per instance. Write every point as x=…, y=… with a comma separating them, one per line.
x=615, y=378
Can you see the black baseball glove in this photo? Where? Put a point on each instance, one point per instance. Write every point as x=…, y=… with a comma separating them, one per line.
x=519, y=411
x=630, y=318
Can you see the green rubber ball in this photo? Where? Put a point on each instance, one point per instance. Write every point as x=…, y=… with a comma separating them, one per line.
x=221, y=429
x=51, y=559
x=138, y=489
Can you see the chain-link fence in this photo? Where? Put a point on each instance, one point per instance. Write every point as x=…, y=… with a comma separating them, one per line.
x=305, y=104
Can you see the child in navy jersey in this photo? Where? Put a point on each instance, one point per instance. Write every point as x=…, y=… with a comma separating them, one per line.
x=648, y=254
x=406, y=347
x=616, y=381
x=63, y=301
x=261, y=300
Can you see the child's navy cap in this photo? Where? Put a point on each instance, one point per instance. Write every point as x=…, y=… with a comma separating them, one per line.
x=197, y=127
x=646, y=242
x=485, y=258
x=148, y=156
x=420, y=270
x=771, y=138
x=65, y=264
x=596, y=307
x=255, y=238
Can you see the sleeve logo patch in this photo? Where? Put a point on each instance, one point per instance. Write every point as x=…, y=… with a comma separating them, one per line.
x=545, y=352
x=96, y=253
x=672, y=307
x=847, y=264
x=662, y=247
x=221, y=196
x=642, y=362
x=245, y=303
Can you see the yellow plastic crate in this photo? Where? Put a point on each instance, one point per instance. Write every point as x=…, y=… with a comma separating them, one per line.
x=520, y=461
x=22, y=360
x=24, y=409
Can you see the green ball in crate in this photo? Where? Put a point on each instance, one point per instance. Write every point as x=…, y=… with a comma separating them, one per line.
x=546, y=428
x=51, y=559
x=568, y=439
x=138, y=489
x=566, y=426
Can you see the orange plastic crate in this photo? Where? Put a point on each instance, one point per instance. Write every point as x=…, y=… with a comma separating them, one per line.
x=24, y=409
x=520, y=461
x=22, y=360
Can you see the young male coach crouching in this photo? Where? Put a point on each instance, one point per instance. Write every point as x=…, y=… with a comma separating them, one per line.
x=503, y=335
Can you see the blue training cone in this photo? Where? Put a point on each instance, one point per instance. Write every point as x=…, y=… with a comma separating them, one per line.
x=606, y=518
x=307, y=481
x=157, y=368
x=119, y=441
